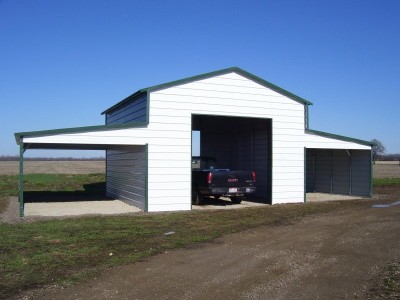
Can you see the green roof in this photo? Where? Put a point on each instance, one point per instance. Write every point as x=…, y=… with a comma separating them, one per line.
x=209, y=75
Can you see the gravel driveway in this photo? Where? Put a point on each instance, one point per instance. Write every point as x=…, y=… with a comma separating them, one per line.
x=326, y=256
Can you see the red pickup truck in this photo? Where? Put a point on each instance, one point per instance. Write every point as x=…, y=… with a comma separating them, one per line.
x=209, y=181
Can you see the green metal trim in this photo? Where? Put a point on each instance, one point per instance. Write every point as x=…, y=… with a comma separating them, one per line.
x=146, y=180
x=41, y=133
x=339, y=137
x=21, y=179
x=307, y=112
x=209, y=75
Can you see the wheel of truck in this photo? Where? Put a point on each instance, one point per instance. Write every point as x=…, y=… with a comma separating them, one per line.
x=198, y=199
x=236, y=200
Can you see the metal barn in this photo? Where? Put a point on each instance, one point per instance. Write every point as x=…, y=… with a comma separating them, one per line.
x=244, y=121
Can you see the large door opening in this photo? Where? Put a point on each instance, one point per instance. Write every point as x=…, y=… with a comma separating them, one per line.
x=336, y=171
x=238, y=143
x=123, y=179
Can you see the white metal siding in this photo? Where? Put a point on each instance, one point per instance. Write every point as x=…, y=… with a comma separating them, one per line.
x=232, y=95
x=126, y=174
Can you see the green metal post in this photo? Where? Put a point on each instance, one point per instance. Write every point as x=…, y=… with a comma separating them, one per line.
x=371, y=193
x=305, y=174
x=21, y=179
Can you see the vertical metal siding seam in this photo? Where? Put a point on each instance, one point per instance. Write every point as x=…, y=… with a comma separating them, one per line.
x=305, y=173
x=146, y=179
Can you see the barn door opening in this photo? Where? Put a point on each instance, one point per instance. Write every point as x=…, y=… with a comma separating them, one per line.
x=338, y=171
x=238, y=143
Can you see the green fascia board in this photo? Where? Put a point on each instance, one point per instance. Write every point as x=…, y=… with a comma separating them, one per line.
x=40, y=133
x=236, y=70
x=339, y=137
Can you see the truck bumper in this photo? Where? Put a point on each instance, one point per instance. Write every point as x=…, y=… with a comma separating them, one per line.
x=229, y=191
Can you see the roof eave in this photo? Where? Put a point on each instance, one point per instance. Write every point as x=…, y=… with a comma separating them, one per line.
x=339, y=137
x=19, y=135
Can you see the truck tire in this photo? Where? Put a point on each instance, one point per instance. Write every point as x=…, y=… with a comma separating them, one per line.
x=198, y=199
x=236, y=200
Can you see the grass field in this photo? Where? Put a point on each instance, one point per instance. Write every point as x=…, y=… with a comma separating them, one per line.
x=68, y=250
x=56, y=251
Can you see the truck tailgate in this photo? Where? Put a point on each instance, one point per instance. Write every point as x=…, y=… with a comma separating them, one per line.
x=232, y=178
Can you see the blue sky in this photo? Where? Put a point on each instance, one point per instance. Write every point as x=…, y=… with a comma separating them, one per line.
x=64, y=62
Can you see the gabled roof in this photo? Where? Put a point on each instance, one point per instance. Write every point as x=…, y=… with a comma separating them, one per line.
x=209, y=75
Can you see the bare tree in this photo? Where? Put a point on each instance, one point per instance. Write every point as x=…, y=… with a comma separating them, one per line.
x=377, y=149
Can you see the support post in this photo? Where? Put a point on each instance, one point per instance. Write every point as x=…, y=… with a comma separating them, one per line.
x=331, y=171
x=351, y=173
x=21, y=179
x=305, y=174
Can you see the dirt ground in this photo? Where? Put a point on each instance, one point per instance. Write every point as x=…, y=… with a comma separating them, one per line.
x=338, y=255
x=341, y=255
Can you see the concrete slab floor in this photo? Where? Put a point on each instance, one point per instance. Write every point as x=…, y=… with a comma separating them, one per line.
x=58, y=209
x=320, y=197
x=224, y=203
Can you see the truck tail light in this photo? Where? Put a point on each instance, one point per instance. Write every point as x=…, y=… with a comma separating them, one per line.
x=209, y=178
x=253, y=175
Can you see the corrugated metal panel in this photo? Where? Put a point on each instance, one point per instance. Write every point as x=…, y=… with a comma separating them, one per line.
x=262, y=159
x=126, y=174
x=133, y=111
x=310, y=184
x=361, y=172
x=323, y=171
x=341, y=172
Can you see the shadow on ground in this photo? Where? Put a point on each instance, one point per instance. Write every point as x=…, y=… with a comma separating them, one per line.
x=93, y=191
x=224, y=201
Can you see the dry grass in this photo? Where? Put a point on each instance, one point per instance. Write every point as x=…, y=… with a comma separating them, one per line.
x=53, y=167
x=386, y=170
